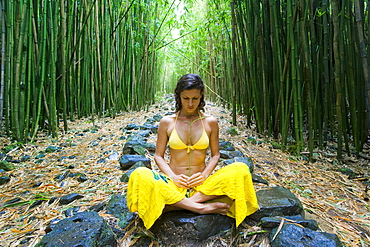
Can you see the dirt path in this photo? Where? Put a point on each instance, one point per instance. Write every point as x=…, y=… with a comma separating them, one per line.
x=336, y=202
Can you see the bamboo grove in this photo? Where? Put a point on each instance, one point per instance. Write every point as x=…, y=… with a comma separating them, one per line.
x=66, y=59
x=297, y=69
x=303, y=68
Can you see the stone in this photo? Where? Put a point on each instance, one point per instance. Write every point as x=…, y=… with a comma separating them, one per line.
x=244, y=159
x=67, y=199
x=125, y=177
x=153, y=128
x=133, y=147
x=117, y=206
x=98, y=207
x=7, y=166
x=258, y=179
x=277, y=201
x=128, y=160
x=232, y=131
x=145, y=133
x=230, y=154
x=63, y=176
x=131, y=126
x=272, y=222
x=85, y=229
x=226, y=146
x=51, y=149
x=184, y=228
x=4, y=180
x=292, y=235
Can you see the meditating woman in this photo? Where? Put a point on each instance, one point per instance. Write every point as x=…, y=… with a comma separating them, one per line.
x=189, y=181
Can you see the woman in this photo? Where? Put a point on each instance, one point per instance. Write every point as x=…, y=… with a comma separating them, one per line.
x=188, y=182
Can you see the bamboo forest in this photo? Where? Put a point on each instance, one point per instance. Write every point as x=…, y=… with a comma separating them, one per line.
x=295, y=73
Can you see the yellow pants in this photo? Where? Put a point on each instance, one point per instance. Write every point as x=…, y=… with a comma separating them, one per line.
x=149, y=192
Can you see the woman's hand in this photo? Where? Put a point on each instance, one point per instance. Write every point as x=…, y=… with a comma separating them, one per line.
x=195, y=180
x=181, y=181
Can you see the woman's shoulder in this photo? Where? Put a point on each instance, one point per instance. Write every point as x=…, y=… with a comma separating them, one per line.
x=210, y=119
x=168, y=119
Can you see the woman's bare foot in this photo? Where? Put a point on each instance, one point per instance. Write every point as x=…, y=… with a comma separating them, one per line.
x=200, y=208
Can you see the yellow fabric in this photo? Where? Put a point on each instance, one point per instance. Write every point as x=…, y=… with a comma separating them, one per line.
x=175, y=141
x=148, y=192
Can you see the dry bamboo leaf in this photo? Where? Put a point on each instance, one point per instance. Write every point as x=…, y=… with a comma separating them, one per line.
x=279, y=229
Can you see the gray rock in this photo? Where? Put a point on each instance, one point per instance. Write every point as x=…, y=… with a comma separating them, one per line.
x=67, y=199
x=125, y=177
x=136, y=144
x=151, y=127
x=6, y=166
x=227, y=146
x=133, y=147
x=277, y=201
x=292, y=235
x=272, y=222
x=230, y=154
x=4, y=180
x=85, y=229
x=117, y=206
x=244, y=159
x=128, y=160
x=184, y=228
x=258, y=179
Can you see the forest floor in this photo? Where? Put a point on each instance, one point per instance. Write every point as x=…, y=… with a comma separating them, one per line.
x=340, y=205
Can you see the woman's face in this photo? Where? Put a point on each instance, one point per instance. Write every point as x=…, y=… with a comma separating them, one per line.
x=190, y=99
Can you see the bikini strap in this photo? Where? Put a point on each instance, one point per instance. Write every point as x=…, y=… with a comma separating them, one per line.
x=201, y=118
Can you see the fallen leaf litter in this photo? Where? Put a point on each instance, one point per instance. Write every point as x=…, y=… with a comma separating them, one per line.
x=339, y=204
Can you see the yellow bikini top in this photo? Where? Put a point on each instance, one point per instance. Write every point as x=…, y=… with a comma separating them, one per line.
x=175, y=141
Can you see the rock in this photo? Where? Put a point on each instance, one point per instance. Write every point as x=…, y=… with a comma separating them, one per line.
x=226, y=146
x=136, y=138
x=81, y=177
x=230, y=154
x=71, y=211
x=346, y=171
x=25, y=158
x=133, y=147
x=113, y=156
x=184, y=228
x=272, y=222
x=85, y=229
x=125, y=177
x=232, y=131
x=145, y=133
x=128, y=160
x=36, y=203
x=132, y=126
x=258, y=179
x=117, y=206
x=292, y=235
x=98, y=207
x=7, y=166
x=60, y=178
x=150, y=127
x=67, y=199
x=157, y=117
x=51, y=149
x=246, y=160
x=4, y=180
x=277, y=201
